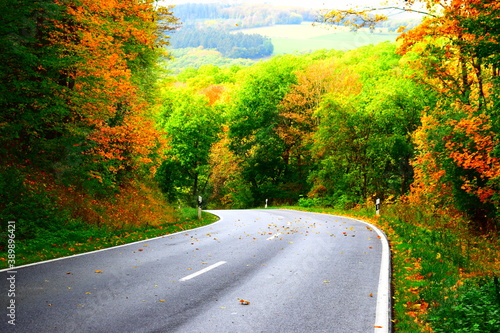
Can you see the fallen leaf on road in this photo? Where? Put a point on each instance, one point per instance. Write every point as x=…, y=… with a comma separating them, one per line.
x=98, y=271
x=326, y=281
x=162, y=300
x=243, y=302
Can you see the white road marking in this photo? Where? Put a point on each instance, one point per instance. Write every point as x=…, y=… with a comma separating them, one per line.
x=382, y=312
x=274, y=236
x=382, y=318
x=113, y=247
x=204, y=270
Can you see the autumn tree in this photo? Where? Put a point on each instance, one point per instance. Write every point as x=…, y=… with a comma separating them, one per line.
x=457, y=51
x=228, y=187
x=116, y=47
x=77, y=77
x=297, y=123
x=254, y=118
x=77, y=123
x=363, y=143
x=454, y=51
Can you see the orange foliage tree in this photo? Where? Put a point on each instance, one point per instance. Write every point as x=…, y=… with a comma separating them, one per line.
x=456, y=50
x=228, y=187
x=113, y=46
x=297, y=123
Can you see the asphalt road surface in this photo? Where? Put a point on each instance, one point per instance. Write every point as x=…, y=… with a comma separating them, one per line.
x=298, y=272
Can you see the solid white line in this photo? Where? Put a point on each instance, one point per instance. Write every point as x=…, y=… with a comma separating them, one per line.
x=382, y=319
x=204, y=270
x=113, y=247
x=382, y=312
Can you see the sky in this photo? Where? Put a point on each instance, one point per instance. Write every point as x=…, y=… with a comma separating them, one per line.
x=338, y=4
x=316, y=4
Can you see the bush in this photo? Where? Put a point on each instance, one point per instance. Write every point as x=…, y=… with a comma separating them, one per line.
x=476, y=308
x=307, y=202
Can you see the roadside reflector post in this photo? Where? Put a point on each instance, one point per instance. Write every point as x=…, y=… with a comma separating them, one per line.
x=377, y=206
x=200, y=201
x=266, y=203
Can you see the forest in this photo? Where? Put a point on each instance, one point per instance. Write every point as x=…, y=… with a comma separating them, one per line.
x=209, y=25
x=97, y=137
x=272, y=136
x=230, y=45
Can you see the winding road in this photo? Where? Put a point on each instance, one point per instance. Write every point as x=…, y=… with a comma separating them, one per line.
x=298, y=272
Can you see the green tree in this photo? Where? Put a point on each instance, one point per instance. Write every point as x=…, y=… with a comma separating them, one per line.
x=363, y=143
x=191, y=127
x=34, y=76
x=253, y=120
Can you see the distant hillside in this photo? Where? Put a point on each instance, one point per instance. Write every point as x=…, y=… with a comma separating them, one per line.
x=254, y=27
x=240, y=16
x=239, y=45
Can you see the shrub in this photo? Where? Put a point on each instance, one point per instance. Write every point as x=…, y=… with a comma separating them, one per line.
x=307, y=202
x=475, y=308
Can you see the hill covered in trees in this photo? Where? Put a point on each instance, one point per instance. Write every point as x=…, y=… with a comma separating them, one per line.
x=230, y=45
x=208, y=25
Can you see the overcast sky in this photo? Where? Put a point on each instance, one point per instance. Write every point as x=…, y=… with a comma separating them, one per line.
x=317, y=4
x=302, y=3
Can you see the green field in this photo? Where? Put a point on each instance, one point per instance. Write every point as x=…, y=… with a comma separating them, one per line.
x=307, y=37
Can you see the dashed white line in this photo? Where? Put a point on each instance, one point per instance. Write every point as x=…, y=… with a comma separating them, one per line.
x=204, y=270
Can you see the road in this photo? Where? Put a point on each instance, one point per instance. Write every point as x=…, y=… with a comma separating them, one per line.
x=299, y=271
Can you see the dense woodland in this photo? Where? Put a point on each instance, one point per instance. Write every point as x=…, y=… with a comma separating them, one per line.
x=93, y=129
x=340, y=128
x=273, y=134
x=230, y=45
x=210, y=25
